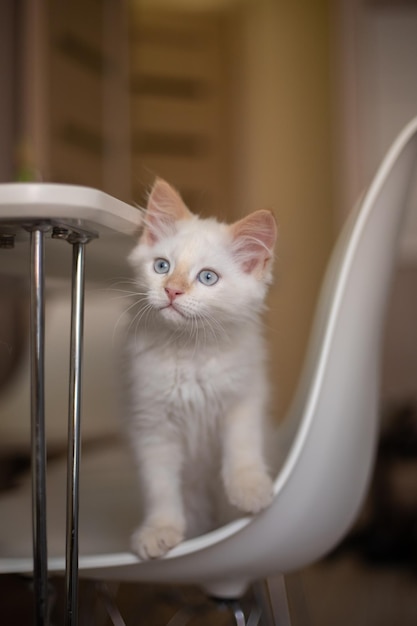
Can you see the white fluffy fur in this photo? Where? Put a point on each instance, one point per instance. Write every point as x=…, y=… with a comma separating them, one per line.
x=197, y=389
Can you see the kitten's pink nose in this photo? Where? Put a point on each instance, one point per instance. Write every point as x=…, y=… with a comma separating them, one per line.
x=173, y=293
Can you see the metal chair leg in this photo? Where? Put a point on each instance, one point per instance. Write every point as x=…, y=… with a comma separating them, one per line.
x=238, y=614
x=37, y=344
x=271, y=596
x=234, y=608
x=181, y=617
x=110, y=606
x=255, y=616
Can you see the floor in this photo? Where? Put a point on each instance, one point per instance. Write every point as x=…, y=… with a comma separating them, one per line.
x=346, y=592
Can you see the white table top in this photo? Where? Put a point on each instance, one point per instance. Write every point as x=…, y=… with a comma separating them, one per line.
x=82, y=205
x=114, y=221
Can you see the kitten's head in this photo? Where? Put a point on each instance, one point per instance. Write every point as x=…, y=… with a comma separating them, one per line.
x=199, y=272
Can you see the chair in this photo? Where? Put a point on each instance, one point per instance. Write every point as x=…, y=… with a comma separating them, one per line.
x=331, y=429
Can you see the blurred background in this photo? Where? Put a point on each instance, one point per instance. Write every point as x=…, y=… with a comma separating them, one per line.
x=241, y=104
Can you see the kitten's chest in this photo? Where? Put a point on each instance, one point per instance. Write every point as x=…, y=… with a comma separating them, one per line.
x=198, y=386
x=188, y=384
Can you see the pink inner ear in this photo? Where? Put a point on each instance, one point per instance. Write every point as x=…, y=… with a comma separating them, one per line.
x=253, y=240
x=165, y=207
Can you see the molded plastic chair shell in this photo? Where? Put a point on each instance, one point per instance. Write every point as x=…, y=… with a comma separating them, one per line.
x=333, y=421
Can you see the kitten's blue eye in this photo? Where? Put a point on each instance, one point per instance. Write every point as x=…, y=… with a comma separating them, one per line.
x=161, y=266
x=208, y=277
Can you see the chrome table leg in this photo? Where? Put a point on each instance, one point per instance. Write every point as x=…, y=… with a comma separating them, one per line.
x=37, y=350
x=74, y=434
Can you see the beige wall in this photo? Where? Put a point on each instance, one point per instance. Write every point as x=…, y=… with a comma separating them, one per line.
x=8, y=88
x=284, y=161
x=180, y=105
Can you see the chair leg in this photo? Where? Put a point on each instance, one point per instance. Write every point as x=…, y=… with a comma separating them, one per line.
x=238, y=614
x=265, y=605
x=255, y=616
x=181, y=617
x=271, y=596
x=235, y=608
x=109, y=604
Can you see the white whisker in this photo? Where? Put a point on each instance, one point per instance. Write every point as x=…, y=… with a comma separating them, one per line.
x=123, y=314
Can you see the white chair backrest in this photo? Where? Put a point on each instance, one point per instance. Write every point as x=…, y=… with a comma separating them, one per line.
x=335, y=414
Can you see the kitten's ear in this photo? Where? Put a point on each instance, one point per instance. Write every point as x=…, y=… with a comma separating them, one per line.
x=253, y=240
x=164, y=208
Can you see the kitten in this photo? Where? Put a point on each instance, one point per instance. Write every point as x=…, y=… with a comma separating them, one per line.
x=197, y=389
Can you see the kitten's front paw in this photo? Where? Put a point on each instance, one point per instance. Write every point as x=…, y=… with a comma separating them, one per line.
x=249, y=489
x=153, y=541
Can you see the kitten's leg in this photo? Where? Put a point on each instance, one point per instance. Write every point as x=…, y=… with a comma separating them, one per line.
x=245, y=477
x=164, y=524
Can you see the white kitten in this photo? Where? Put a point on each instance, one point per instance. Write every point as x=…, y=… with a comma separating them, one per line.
x=197, y=388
